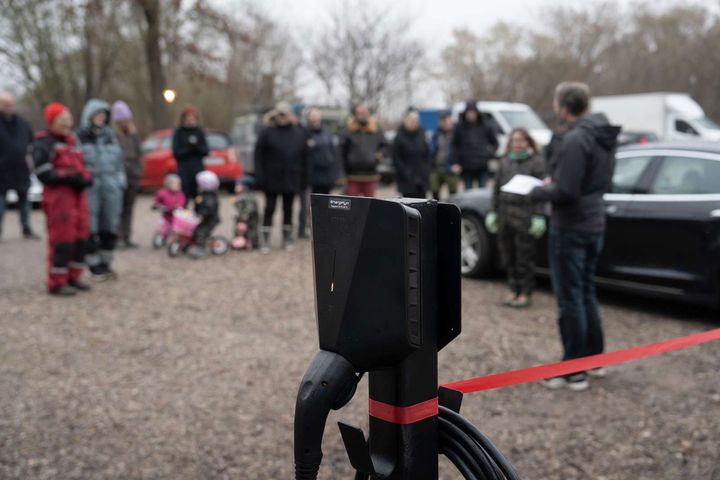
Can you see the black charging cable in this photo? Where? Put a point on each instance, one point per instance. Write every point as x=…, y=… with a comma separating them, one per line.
x=472, y=453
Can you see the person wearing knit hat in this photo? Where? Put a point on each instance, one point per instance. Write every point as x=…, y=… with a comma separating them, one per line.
x=124, y=126
x=189, y=147
x=60, y=166
x=104, y=159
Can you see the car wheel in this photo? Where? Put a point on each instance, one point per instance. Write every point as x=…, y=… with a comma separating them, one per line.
x=474, y=247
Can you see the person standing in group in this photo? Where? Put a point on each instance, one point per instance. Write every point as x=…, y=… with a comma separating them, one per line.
x=124, y=126
x=516, y=219
x=411, y=157
x=361, y=149
x=322, y=164
x=104, y=160
x=580, y=174
x=189, y=146
x=474, y=143
x=59, y=166
x=15, y=139
x=280, y=168
x=440, y=152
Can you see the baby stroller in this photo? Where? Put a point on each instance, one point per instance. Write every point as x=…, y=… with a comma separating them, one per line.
x=184, y=223
x=245, y=231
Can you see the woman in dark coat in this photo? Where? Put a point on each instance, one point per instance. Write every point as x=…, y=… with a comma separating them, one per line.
x=411, y=158
x=280, y=168
x=189, y=148
x=323, y=156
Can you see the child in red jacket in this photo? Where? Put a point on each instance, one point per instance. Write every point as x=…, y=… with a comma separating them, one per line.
x=60, y=167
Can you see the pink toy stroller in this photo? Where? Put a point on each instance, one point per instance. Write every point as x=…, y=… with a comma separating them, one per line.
x=182, y=228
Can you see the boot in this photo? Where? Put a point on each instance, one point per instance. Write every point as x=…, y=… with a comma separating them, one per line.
x=28, y=234
x=288, y=238
x=265, y=239
x=79, y=285
x=63, y=291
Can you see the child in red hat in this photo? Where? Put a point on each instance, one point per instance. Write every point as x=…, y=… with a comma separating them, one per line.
x=60, y=167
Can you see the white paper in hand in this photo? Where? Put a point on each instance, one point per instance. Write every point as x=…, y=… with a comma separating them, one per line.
x=521, y=185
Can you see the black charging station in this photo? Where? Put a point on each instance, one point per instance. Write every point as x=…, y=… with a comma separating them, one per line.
x=387, y=286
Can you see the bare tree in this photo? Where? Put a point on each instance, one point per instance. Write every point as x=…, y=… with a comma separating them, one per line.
x=365, y=53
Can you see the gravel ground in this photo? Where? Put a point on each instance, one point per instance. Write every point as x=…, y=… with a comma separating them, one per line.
x=188, y=370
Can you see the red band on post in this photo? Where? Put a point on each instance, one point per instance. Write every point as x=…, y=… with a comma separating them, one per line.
x=403, y=415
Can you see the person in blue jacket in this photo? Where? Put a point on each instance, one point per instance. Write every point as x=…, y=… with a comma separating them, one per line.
x=104, y=160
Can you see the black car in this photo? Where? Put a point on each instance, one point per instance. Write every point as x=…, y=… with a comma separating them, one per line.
x=663, y=224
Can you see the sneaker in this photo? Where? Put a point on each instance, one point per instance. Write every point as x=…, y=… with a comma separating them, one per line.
x=264, y=249
x=600, y=372
x=578, y=382
x=100, y=273
x=63, y=291
x=197, y=252
x=79, y=285
x=28, y=234
x=522, y=301
x=131, y=245
x=554, y=383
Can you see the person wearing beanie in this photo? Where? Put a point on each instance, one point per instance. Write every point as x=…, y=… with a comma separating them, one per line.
x=124, y=126
x=189, y=146
x=104, y=159
x=59, y=165
x=474, y=143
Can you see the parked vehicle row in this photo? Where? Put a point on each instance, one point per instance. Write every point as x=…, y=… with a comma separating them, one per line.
x=663, y=224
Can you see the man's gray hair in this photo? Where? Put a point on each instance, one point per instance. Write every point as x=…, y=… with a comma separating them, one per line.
x=574, y=96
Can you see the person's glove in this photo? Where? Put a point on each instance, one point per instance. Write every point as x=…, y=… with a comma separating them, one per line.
x=491, y=223
x=538, y=226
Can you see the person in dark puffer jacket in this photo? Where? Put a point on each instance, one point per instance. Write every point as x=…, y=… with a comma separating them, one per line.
x=59, y=166
x=104, y=160
x=280, y=168
x=189, y=146
x=411, y=157
x=474, y=144
x=581, y=173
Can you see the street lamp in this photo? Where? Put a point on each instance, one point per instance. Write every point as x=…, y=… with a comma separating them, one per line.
x=169, y=95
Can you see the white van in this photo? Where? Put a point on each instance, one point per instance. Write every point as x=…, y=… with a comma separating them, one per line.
x=670, y=116
x=504, y=116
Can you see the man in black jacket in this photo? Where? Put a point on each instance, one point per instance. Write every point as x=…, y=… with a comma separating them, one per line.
x=581, y=174
x=15, y=138
x=473, y=144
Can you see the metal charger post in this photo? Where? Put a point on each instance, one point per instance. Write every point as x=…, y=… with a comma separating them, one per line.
x=387, y=286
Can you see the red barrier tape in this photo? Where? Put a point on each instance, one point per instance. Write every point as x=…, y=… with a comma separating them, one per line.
x=403, y=415
x=533, y=374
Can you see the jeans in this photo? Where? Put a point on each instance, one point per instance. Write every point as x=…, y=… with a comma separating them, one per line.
x=573, y=257
x=24, y=208
x=470, y=177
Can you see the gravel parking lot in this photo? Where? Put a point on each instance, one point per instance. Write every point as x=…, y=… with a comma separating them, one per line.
x=186, y=369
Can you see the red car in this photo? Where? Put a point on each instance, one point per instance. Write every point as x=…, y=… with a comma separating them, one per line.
x=158, y=158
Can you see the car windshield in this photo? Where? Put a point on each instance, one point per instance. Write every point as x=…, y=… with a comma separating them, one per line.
x=523, y=119
x=705, y=122
x=216, y=141
x=148, y=145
